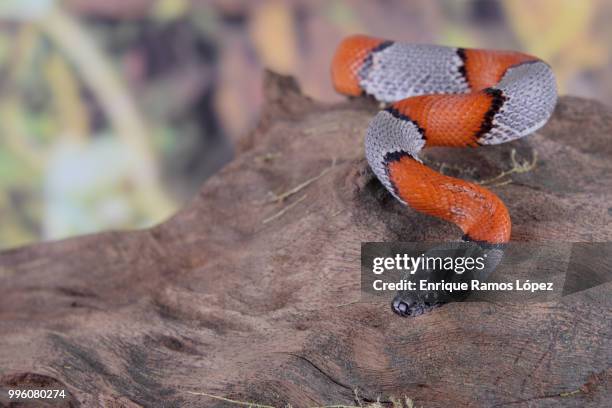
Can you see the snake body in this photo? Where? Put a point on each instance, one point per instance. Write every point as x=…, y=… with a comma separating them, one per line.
x=443, y=96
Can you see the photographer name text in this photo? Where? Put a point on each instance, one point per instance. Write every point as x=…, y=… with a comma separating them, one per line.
x=474, y=285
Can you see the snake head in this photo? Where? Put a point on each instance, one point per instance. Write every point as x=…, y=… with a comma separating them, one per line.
x=407, y=307
x=417, y=302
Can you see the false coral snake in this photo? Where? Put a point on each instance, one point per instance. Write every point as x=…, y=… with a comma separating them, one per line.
x=442, y=96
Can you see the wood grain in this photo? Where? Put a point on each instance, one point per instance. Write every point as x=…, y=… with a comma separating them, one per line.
x=215, y=301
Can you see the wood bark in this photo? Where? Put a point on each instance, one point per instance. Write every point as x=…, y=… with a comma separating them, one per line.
x=252, y=297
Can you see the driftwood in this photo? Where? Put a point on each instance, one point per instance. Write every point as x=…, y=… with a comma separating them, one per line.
x=251, y=292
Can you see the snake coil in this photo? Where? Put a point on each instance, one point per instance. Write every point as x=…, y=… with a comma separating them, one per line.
x=443, y=96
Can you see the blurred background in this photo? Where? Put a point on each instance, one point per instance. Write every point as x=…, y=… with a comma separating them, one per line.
x=114, y=112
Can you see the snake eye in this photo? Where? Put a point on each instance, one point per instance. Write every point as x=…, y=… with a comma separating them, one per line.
x=348, y=60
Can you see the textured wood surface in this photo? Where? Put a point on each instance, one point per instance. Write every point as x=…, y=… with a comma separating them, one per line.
x=246, y=297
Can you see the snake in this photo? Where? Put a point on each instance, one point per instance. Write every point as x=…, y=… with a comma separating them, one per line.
x=443, y=96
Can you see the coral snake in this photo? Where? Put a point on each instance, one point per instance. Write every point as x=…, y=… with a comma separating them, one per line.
x=443, y=96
